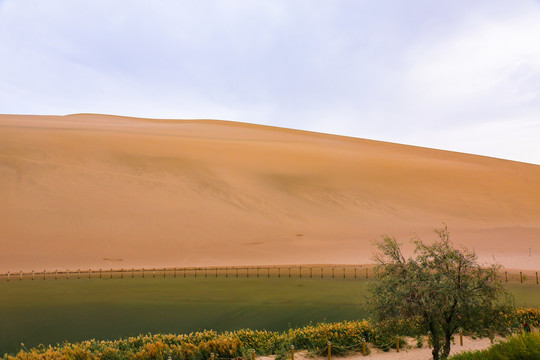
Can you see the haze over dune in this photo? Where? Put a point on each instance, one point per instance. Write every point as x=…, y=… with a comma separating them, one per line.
x=90, y=191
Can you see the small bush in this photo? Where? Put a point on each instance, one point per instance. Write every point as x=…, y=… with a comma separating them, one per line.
x=419, y=341
x=518, y=347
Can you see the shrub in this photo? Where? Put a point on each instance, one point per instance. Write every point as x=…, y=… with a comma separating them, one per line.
x=518, y=347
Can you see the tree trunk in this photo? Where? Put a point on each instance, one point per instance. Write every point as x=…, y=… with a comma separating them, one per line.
x=436, y=346
x=435, y=351
x=446, y=349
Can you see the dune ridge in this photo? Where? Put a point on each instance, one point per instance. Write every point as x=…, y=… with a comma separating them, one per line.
x=91, y=191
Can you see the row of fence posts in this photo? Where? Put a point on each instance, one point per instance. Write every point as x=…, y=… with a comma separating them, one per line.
x=328, y=347
x=364, y=348
x=175, y=270
x=460, y=338
x=521, y=279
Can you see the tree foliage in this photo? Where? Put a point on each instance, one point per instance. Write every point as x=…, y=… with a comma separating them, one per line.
x=446, y=288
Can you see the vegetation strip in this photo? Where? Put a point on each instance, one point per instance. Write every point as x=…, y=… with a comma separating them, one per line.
x=345, y=337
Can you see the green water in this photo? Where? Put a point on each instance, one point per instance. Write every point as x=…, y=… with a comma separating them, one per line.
x=51, y=311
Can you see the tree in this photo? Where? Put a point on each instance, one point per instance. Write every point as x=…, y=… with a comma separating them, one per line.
x=446, y=288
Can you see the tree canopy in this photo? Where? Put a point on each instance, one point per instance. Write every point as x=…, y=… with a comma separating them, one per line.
x=446, y=288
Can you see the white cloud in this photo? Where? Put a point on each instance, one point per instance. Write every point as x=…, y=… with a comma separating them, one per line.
x=488, y=63
x=387, y=70
x=515, y=139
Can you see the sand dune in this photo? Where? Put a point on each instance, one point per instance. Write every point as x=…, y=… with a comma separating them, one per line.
x=85, y=190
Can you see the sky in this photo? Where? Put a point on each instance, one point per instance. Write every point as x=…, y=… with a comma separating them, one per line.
x=458, y=75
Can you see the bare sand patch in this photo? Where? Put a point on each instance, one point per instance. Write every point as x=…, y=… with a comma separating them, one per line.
x=411, y=353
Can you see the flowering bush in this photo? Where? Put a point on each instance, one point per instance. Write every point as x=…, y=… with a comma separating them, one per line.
x=346, y=336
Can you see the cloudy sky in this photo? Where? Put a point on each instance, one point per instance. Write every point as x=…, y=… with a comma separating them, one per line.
x=459, y=75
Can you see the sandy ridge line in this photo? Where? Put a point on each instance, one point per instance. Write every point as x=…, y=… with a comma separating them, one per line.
x=264, y=128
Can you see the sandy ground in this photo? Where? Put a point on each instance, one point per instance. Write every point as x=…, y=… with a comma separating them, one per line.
x=91, y=191
x=411, y=353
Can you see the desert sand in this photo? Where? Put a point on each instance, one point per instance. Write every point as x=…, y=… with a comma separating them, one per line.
x=410, y=353
x=90, y=191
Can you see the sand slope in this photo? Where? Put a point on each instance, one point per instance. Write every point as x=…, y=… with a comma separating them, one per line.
x=84, y=191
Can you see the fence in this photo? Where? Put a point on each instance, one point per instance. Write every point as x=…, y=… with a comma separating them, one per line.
x=360, y=347
x=327, y=350
x=343, y=272
x=246, y=272
x=330, y=349
x=522, y=277
x=292, y=271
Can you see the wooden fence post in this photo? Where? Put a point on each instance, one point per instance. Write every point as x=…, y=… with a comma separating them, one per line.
x=344, y=273
x=505, y=276
x=56, y=274
x=43, y=274
x=310, y=272
x=100, y=273
x=367, y=273
x=397, y=343
x=111, y=273
x=332, y=271
x=292, y=352
x=278, y=272
x=216, y=271
x=236, y=272
x=300, y=272
x=67, y=274
x=322, y=272
x=329, y=344
x=78, y=274
x=460, y=337
x=164, y=272
x=268, y=272
x=355, y=272
x=289, y=272
x=537, y=278
x=364, y=347
x=521, y=277
x=253, y=354
x=8, y=275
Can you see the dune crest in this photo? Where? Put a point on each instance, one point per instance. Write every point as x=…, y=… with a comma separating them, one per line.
x=84, y=190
